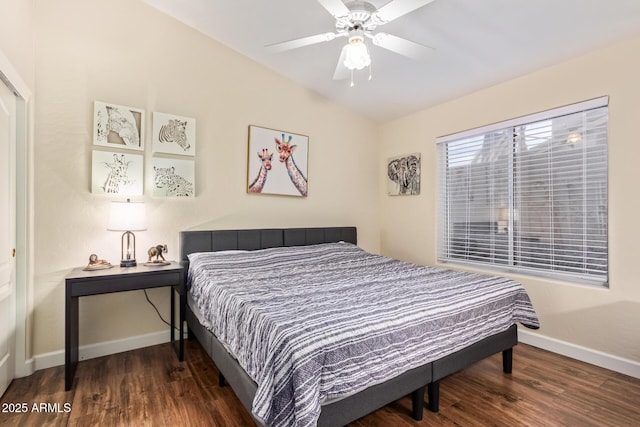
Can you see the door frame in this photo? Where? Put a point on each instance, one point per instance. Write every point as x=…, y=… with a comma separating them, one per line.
x=24, y=364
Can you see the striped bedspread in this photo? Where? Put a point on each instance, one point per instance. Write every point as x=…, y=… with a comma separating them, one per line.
x=311, y=324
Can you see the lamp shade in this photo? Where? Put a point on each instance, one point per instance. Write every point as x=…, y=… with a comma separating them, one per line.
x=127, y=216
x=356, y=55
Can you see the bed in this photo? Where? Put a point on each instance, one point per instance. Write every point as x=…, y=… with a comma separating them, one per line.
x=211, y=253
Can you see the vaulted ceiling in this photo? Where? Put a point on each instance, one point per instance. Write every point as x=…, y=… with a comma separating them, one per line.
x=476, y=44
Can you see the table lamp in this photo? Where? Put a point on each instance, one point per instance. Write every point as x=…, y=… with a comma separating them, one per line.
x=128, y=216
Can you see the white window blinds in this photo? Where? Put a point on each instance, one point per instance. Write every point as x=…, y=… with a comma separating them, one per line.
x=529, y=195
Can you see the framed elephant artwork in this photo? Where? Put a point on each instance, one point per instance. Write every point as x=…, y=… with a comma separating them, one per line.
x=403, y=175
x=277, y=162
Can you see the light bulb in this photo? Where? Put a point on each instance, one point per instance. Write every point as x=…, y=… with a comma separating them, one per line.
x=357, y=56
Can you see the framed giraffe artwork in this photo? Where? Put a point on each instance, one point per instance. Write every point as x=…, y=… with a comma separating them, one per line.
x=174, y=134
x=117, y=126
x=116, y=173
x=403, y=175
x=277, y=162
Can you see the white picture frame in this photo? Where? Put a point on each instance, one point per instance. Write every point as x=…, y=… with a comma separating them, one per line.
x=173, y=177
x=117, y=174
x=118, y=126
x=174, y=134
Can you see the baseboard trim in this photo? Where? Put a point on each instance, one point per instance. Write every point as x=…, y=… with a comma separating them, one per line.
x=26, y=369
x=91, y=351
x=584, y=354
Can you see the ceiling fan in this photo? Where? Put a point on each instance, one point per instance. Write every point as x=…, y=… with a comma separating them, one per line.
x=357, y=20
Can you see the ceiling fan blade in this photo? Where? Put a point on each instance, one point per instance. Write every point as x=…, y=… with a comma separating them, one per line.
x=398, y=8
x=402, y=46
x=341, y=72
x=335, y=8
x=296, y=43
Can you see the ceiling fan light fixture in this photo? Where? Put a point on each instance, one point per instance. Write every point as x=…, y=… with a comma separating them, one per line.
x=357, y=55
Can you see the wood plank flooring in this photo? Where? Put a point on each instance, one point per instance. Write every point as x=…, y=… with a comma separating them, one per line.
x=149, y=387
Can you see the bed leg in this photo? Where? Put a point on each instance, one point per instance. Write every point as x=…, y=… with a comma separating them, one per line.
x=433, y=390
x=507, y=361
x=221, y=381
x=417, y=404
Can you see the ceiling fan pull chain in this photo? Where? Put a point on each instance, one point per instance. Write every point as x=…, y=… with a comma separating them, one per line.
x=351, y=85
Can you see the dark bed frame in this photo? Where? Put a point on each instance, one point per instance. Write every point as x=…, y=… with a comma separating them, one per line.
x=360, y=404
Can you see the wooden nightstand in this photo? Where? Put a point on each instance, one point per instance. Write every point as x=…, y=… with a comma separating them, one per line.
x=81, y=283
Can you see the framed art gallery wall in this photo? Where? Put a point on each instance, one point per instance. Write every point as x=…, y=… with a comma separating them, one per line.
x=171, y=168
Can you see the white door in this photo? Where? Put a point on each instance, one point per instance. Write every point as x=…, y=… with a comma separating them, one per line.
x=7, y=234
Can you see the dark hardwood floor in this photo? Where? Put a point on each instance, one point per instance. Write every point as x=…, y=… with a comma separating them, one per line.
x=149, y=387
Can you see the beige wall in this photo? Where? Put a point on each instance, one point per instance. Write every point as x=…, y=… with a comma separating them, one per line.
x=17, y=36
x=607, y=320
x=127, y=53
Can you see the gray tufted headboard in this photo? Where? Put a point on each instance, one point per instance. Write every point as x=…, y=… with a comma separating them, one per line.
x=221, y=240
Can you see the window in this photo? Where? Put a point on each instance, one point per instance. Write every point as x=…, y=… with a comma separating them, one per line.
x=529, y=195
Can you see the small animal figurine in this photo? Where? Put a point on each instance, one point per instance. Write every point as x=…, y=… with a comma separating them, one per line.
x=157, y=251
x=97, y=264
x=93, y=260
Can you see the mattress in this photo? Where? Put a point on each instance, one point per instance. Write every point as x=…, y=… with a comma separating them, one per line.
x=317, y=323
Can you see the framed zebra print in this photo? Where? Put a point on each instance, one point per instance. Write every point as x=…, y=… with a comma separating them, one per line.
x=174, y=134
x=117, y=173
x=118, y=126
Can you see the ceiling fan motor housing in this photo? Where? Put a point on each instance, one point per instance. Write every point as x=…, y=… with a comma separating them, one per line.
x=359, y=18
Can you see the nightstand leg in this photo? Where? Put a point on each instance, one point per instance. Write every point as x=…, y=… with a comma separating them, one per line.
x=182, y=301
x=173, y=314
x=183, y=304
x=71, y=341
